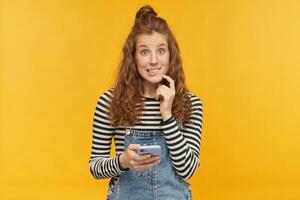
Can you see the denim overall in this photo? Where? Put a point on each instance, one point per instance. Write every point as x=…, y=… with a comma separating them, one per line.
x=156, y=183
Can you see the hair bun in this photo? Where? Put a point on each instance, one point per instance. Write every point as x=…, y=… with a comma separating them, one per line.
x=145, y=12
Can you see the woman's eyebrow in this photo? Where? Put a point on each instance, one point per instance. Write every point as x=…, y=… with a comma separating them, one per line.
x=162, y=44
x=143, y=45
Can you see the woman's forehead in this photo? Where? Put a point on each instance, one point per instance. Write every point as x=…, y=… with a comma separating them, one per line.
x=151, y=40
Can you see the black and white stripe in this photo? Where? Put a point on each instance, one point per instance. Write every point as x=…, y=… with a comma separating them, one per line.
x=183, y=142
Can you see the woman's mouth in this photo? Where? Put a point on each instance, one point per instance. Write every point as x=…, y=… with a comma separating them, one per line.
x=153, y=71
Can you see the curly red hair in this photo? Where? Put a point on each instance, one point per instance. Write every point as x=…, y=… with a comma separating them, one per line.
x=127, y=103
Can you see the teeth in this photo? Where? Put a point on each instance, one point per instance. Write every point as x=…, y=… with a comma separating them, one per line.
x=148, y=70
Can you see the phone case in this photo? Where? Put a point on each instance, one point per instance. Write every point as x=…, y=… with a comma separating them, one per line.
x=152, y=149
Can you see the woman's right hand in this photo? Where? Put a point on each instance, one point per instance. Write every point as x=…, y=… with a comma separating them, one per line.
x=130, y=159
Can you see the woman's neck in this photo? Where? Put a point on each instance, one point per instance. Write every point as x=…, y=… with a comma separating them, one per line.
x=150, y=90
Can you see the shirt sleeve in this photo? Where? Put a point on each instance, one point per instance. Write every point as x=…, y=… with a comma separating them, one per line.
x=184, y=142
x=101, y=164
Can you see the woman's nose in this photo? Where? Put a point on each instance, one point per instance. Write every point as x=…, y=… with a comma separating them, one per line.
x=153, y=58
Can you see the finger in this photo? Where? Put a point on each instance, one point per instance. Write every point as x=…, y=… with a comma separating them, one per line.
x=142, y=158
x=164, y=91
x=157, y=96
x=149, y=160
x=144, y=166
x=137, y=157
x=171, y=81
x=131, y=151
x=164, y=87
x=133, y=147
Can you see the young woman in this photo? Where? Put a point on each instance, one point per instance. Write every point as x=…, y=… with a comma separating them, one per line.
x=149, y=105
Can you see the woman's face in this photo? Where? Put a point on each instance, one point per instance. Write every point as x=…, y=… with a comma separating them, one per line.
x=152, y=57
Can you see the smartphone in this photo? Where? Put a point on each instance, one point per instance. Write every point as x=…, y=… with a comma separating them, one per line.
x=151, y=149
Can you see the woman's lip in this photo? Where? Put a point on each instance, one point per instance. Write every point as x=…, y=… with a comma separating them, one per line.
x=149, y=69
x=153, y=72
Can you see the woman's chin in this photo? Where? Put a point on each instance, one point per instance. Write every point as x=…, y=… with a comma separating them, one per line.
x=155, y=80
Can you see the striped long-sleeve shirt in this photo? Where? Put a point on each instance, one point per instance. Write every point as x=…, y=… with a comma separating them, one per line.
x=183, y=141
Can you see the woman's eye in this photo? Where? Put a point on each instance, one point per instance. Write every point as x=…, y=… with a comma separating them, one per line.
x=144, y=52
x=161, y=51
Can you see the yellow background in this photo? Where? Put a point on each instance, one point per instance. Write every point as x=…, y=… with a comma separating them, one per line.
x=240, y=57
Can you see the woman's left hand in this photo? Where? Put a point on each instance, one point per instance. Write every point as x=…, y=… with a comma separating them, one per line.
x=166, y=95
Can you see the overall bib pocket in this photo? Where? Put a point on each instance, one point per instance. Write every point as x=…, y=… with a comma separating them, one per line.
x=135, y=139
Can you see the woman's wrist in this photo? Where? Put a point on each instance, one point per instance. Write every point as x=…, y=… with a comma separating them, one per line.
x=166, y=116
x=122, y=164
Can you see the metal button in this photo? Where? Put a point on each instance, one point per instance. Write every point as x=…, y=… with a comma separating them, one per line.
x=127, y=131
